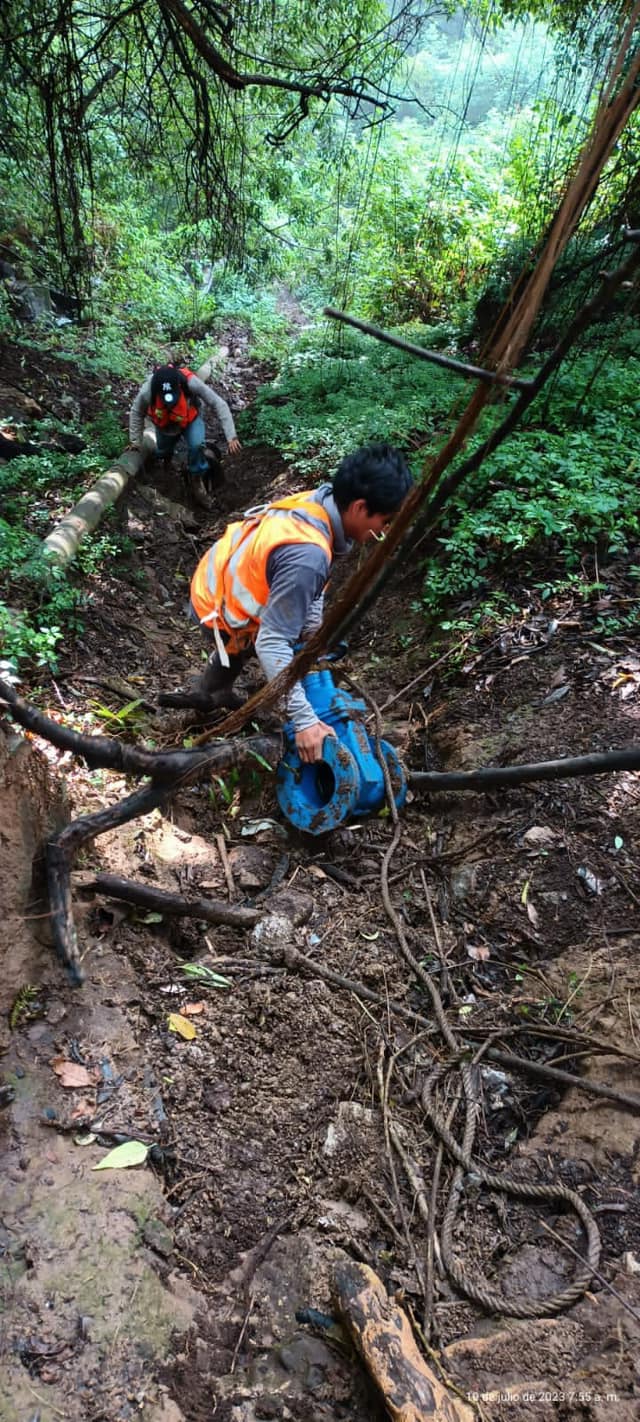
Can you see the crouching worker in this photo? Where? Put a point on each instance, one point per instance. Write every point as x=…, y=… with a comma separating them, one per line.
x=172, y=399
x=262, y=584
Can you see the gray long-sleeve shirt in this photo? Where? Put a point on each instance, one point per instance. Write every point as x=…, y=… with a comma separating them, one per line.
x=297, y=574
x=198, y=392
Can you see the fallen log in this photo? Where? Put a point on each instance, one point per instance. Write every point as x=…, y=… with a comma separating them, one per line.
x=61, y=545
x=382, y=1334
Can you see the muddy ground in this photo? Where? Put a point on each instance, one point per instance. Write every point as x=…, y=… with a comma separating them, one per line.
x=199, y=1284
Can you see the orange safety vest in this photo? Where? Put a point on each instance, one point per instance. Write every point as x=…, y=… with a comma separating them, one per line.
x=182, y=413
x=229, y=589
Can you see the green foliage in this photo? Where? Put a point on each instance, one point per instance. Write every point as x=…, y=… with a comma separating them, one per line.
x=42, y=601
x=568, y=477
x=326, y=402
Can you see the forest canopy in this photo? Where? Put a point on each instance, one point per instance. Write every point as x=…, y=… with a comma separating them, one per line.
x=242, y=129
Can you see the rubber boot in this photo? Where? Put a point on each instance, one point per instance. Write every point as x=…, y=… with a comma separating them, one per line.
x=198, y=492
x=211, y=690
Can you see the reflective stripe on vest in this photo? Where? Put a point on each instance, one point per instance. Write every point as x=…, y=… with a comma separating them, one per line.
x=232, y=577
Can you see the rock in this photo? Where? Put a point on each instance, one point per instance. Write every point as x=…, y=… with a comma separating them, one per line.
x=351, y=1120
x=252, y=866
x=273, y=934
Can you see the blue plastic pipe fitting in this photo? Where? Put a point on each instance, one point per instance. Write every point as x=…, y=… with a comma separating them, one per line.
x=348, y=780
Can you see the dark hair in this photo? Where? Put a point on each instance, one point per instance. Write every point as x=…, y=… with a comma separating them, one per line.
x=378, y=473
x=170, y=375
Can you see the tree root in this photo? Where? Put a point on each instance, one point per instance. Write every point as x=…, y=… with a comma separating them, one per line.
x=166, y=771
x=173, y=905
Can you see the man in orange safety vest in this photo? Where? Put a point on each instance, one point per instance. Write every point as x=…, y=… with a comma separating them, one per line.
x=172, y=400
x=262, y=584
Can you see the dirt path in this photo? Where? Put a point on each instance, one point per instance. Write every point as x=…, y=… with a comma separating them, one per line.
x=182, y=1289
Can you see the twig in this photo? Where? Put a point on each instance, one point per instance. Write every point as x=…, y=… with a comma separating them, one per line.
x=445, y=981
x=224, y=857
x=564, y=1078
x=245, y=1325
x=600, y=1277
x=426, y=672
x=294, y=959
x=45, y=1403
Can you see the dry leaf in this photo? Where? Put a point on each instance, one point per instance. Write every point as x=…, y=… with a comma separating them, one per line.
x=532, y=913
x=317, y=872
x=479, y=954
x=181, y=1025
x=191, y=1009
x=72, y=1074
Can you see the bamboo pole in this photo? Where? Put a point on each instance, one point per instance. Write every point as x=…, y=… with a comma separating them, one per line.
x=61, y=545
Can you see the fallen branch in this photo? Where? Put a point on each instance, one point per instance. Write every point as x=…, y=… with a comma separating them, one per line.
x=491, y=377
x=172, y=767
x=167, y=772
x=563, y=1078
x=382, y=1334
x=600, y=763
x=60, y=853
x=173, y=905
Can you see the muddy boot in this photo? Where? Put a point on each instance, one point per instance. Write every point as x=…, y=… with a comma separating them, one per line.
x=199, y=494
x=214, y=475
x=213, y=689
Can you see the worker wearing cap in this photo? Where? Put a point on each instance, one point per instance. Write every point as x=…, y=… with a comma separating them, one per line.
x=171, y=399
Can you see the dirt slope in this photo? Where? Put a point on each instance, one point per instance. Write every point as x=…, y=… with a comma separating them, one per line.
x=173, y=1290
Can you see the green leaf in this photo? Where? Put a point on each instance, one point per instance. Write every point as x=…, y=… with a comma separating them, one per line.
x=205, y=975
x=123, y=1156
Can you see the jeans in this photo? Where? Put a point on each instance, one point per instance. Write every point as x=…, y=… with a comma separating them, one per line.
x=194, y=434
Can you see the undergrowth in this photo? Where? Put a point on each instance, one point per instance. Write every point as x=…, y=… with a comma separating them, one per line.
x=566, y=478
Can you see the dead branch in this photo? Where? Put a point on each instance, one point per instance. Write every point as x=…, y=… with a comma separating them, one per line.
x=382, y=1334
x=167, y=772
x=60, y=853
x=173, y=905
x=564, y=1078
x=173, y=767
x=600, y=763
x=435, y=357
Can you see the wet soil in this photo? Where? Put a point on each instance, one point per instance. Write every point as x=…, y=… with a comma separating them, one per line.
x=200, y=1284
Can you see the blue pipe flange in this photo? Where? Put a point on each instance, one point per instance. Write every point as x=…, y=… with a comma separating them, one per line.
x=318, y=797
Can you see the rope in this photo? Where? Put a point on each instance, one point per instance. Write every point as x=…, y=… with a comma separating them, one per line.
x=481, y=1293
x=519, y=1306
